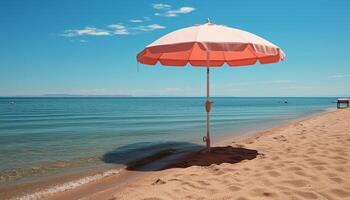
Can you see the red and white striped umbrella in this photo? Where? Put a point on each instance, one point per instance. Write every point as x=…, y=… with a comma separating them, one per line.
x=210, y=45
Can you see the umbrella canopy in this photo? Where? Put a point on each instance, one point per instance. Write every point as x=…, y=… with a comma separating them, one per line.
x=210, y=45
x=217, y=44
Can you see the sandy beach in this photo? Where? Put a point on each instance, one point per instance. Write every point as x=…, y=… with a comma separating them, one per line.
x=168, y=100
x=308, y=159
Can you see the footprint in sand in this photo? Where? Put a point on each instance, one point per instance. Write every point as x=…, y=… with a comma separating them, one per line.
x=280, y=138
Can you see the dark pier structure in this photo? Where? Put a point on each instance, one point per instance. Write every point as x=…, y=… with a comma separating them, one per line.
x=343, y=103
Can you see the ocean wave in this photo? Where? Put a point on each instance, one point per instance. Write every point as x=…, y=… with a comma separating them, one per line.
x=68, y=185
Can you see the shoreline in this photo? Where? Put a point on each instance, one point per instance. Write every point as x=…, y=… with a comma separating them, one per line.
x=222, y=141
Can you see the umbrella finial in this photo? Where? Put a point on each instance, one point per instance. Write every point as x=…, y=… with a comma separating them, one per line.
x=207, y=21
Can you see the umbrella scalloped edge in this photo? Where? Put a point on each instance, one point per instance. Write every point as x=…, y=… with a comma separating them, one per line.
x=207, y=54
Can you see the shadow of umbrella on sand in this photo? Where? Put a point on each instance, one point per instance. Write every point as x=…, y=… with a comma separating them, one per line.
x=159, y=156
x=210, y=45
x=149, y=156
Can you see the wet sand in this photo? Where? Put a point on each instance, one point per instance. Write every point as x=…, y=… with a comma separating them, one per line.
x=309, y=159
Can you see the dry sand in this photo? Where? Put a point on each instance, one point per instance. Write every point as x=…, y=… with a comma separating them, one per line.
x=309, y=159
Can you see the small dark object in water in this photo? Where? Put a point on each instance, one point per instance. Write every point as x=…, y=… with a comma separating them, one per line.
x=285, y=101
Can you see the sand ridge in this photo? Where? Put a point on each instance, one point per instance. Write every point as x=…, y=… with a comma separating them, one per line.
x=303, y=160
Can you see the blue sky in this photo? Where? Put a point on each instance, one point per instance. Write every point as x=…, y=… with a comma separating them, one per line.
x=89, y=47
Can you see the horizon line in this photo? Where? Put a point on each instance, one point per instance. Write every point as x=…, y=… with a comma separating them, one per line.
x=159, y=96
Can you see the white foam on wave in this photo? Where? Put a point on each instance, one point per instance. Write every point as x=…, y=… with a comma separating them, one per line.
x=67, y=186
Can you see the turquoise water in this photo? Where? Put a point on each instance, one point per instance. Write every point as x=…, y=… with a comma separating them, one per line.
x=43, y=135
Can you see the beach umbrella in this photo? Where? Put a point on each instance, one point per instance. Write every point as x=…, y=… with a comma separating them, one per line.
x=210, y=45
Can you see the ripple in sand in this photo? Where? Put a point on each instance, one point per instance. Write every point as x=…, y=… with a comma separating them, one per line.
x=297, y=182
x=295, y=169
x=275, y=158
x=340, y=193
x=152, y=198
x=203, y=183
x=268, y=167
x=261, y=192
x=321, y=168
x=274, y=174
x=242, y=198
x=337, y=179
x=234, y=188
x=306, y=195
x=340, y=169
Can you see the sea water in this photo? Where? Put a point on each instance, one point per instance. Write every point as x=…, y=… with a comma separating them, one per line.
x=44, y=136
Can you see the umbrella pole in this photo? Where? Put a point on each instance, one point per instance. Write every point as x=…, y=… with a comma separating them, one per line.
x=208, y=108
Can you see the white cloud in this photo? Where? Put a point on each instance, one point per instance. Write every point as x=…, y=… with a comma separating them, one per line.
x=136, y=20
x=119, y=29
x=116, y=26
x=113, y=29
x=143, y=19
x=182, y=10
x=121, y=32
x=86, y=31
x=161, y=6
x=156, y=26
x=151, y=27
x=175, y=13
